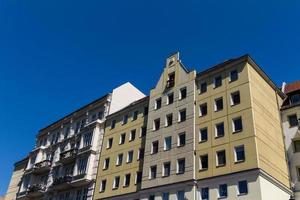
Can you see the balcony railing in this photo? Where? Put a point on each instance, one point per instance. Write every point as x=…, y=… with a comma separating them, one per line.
x=68, y=155
x=36, y=188
x=62, y=180
x=41, y=167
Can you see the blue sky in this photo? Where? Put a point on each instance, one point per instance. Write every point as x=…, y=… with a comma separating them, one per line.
x=56, y=56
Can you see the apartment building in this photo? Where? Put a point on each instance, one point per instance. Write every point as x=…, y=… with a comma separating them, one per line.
x=63, y=165
x=290, y=113
x=122, y=154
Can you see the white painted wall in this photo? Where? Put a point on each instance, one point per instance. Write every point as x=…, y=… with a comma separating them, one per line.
x=270, y=191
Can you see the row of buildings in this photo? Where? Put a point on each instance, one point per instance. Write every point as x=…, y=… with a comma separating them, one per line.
x=224, y=133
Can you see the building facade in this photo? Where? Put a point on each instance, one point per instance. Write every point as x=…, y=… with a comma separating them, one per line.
x=64, y=163
x=290, y=122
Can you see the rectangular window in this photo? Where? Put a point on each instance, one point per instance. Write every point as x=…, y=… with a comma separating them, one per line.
x=103, y=186
x=182, y=93
x=223, y=191
x=237, y=125
x=82, y=165
x=157, y=103
x=181, y=166
x=169, y=119
x=239, y=153
x=127, y=180
x=243, y=187
x=182, y=115
x=181, y=139
x=168, y=143
x=293, y=120
x=221, y=158
x=203, y=87
x=87, y=139
x=106, y=163
x=139, y=176
x=152, y=174
x=218, y=104
x=171, y=80
x=141, y=154
x=132, y=135
x=109, y=143
x=125, y=119
x=151, y=197
x=203, y=162
x=156, y=124
x=165, y=196
x=116, y=182
x=135, y=115
x=180, y=195
x=219, y=129
x=218, y=81
x=119, y=159
x=235, y=98
x=143, y=131
x=146, y=109
x=295, y=99
x=129, y=156
x=296, y=146
x=205, y=193
x=203, y=109
x=203, y=136
x=122, y=138
x=166, y=169
x=170, y=98
x=113, y=124
x=233, y=76
x=154, y=148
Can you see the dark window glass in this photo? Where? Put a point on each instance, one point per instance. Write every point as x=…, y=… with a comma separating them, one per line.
x=243, y=187
x=223, y=190
x=170, y=98
x=220, y=130
x=204, y=193
x=219, y=104
x=183, y=93
x=203, y=87
x=293, y=120
x=204, y=162
x=154, y=147
x=221, y=156
x=158, y=103
x=235, y=98
x=203, y=109
x=203, y=135
x=181, y=166
x=233, y=75
x=237, y=124
x=296, y=145
x=182, y=115
x=167, y=169
x=218, y=81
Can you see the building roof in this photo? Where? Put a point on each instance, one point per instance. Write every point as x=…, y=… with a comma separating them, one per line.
x=292, y=87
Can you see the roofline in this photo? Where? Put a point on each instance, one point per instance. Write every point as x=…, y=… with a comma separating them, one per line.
x=20, y=161
x=245, y=58
x=77, y=110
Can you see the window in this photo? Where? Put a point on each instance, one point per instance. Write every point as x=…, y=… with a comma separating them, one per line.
x=132, y=135
x=166, y=169
x=243, y=187
x=81, y=194
x=165, y=196
x=145, y=111
x=122, y=138
x=235, y=98
x=182, y=93
x=157, y=103
x=218, y=104
x=296, y=145
x=143, y=131
x=203, y=162
x=180, y=195
x=154, y=148
x=156, y=124
x=139, y=176
x=82, y=165
x=106, y=163
x=220, y=132
x=222, y=190
x=181, y=139
x=168, y=143
x=181, y=166
x=170, y=98
x=221, y=158
x=237, y=125
x=152, y=174
x=203, y=135
x=100, y=115
x=116, y=182
x=119, y=159
x=135, y=115
x=151, y=197
x=203, y=109
x=218, y=81
x=113, y=124
x=103, y=186
x=129, y=156
x=205, y=193
x=182, y=115
x=295, y=98
x=233, y=76
x=125, y=119
x=127, y=180
x=239, y=153
x=141, y=154
x=293, y=120
x=87, y=139
x=203, y=87
x=169, y=120
x=171, y=80
x=109, y=143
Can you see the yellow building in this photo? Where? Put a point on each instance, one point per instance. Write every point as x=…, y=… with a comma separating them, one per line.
x=121, y=159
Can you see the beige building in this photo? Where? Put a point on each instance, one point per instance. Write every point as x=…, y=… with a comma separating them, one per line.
x=290, y=112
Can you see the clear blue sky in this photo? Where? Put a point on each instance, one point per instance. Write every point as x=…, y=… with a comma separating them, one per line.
x=56, y=56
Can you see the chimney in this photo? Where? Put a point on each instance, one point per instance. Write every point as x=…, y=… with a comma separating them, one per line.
x=283, y=87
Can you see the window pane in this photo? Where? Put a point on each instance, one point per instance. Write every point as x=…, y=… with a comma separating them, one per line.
x=243, y=187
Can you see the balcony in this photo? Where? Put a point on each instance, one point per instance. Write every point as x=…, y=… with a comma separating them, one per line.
x=36, y=190
x=68, y=156
x=22, y=195
x=42, y=167
x=80, y=180
x=62, y=183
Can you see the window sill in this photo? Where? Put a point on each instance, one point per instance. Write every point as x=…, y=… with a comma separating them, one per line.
x=179, y=173
x=237, y=131
x=239, y=161
x=202, y=141
x=115, y=188
x=232, y=105
x=242, y=194
x=223, y=165
x=203, y=170
x=125, y=186
x=165, y=176
x=218, y=110
x=224, y=197
x=179, y=146
x=217, y=137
